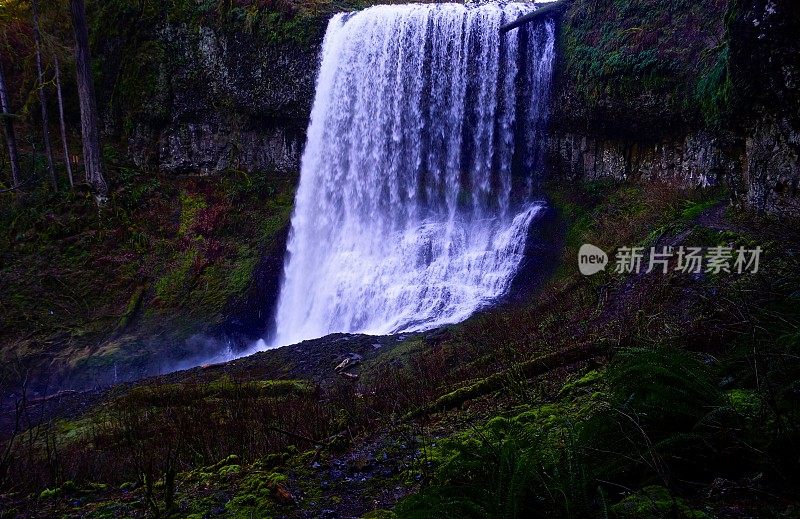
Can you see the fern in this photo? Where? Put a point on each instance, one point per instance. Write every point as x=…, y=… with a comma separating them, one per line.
x=664, y=387
x=656, y=416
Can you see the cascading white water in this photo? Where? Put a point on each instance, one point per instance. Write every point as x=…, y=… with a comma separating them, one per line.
x=413, y=205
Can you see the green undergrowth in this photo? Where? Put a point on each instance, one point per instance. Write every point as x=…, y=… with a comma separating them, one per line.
x=229, y=487
x=215, y=444
x=631, y=440
x=697, y=394
x=166, y=255
x=611, y=396
x=610, y=215
x=222, y=389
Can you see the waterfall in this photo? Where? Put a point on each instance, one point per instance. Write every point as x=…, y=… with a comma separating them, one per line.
x=415, y=194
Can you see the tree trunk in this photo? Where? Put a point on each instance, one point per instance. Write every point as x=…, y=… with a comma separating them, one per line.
x=61, y=121
x=8, y=130
x=91, y=137
x=37, y=38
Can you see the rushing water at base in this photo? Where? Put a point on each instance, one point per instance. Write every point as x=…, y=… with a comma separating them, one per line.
x=415, y=195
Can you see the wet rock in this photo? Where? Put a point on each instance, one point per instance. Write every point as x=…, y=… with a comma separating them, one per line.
x=360, y=464
x=208, y=148
x=352, y=360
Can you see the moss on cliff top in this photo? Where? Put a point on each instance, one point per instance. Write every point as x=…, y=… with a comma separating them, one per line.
x=644, y=66
x=281, y=21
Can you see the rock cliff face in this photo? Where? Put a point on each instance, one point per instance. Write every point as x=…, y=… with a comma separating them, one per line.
x=695, y=95
x=766, y=65
x=696, y=159
x=232, y=102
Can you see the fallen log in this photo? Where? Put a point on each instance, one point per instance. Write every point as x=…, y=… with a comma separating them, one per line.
x=551, y=9
x=528, y=369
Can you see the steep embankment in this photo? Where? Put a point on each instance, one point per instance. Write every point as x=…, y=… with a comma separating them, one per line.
x=94, y=297
x=696, y=415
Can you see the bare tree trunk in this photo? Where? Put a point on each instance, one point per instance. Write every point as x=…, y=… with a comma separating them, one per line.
x=91, y=137
x=8, y=130
x=61, y=121
x=37, y=37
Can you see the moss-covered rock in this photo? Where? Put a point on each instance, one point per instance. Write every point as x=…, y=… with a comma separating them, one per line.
x=641, y=68
x=654, y=502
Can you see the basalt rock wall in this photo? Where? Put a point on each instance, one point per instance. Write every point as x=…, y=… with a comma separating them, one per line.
x=694, y=94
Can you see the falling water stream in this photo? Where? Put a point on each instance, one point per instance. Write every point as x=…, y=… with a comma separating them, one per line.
x=417, y=186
